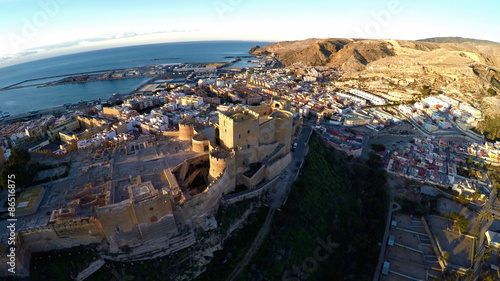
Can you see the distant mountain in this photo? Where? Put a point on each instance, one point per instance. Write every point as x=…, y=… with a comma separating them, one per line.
x=465, y=68
x=457, y=40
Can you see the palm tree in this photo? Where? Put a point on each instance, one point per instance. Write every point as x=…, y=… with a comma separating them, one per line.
x=484, y=215
x=444, y=256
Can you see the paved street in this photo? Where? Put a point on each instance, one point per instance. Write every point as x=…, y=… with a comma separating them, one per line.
x=288, y=176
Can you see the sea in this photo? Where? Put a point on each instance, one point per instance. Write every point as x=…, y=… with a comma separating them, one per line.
x=23, y=100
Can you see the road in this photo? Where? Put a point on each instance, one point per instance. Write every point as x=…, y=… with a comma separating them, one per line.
x=456, y=132
x=381, y=256
x=484, y=227
x=277, y=197
x=279, y=194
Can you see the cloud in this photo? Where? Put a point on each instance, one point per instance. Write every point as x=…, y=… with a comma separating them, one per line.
x=61, y=48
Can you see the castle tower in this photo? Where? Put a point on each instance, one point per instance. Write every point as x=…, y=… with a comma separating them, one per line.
x=200, y=143
x=186, y=130
x=239, y=129
x=283, y=129
x=221, y=159
x=280, y=104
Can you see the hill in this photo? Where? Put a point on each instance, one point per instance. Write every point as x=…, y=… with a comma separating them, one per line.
x=468, y=69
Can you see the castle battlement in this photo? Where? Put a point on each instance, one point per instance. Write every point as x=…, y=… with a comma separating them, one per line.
x=61, y=226
x=219, y=154
x=238, y=115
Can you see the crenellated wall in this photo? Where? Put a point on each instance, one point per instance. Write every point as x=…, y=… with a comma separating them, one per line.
x=200, y=143
x=202, y=204
x=240, y=128
x=53, y=237
x=186, y=130
x=124, y=216
x=60, y=236
x=262, y=110
x=220, y=160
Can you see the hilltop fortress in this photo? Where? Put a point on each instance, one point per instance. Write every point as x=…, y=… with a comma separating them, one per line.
x=133, y=220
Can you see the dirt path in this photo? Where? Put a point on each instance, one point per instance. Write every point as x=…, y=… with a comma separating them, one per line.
x=254, y=248
x=278, y=199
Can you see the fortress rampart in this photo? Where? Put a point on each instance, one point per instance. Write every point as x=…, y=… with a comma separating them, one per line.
x=200, y=143
x=186, y=130
x=220, y=159
x=254, y=149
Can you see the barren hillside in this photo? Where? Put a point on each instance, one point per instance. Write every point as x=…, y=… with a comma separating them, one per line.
x=464, y=68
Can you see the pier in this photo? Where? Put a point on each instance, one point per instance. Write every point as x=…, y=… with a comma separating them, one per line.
x=14, y=86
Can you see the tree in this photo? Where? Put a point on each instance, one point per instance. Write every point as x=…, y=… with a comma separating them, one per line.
x=483, y=215
x=17, y=166
x=492, y=92
x=460, y=222
x=476, y=194
x=374, y=161
x=426, y=91
x=469, y=161
x=487, y=254
x=378, y=147
x=462, y=199
x=446, y=256
x=488, y=278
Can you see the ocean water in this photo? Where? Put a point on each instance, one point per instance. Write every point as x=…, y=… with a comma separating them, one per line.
x=28, y=99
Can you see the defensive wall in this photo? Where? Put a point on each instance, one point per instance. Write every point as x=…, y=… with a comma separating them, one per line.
x=158, y=223
x=251, y=193
x=200, y=143
x=70, y=234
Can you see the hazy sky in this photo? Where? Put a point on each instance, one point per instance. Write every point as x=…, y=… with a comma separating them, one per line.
x=25, y=24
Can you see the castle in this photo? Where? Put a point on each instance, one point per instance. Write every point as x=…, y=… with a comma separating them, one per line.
x=134, y=220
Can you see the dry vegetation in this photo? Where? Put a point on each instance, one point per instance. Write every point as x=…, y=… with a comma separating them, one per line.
x=463, y=68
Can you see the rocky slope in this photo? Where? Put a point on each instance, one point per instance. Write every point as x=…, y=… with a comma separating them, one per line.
x=464, y=68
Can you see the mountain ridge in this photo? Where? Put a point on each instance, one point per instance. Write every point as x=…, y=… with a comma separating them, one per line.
x=461, y=67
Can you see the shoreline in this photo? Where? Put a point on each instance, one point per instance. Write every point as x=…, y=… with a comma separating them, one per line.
x=64, y=107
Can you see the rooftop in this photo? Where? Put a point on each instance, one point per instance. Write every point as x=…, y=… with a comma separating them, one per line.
x=141, y=190
x=242, y=116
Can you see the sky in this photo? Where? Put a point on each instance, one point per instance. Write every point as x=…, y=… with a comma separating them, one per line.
x=33, y=29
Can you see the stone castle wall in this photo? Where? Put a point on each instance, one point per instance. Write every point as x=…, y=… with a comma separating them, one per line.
x=255, y=179
x=200, y=143
x=186, y=131
x=283, y=128
x=243, y=133
x=124, y=216
x=266, y=149
x=60, y=236
x=54, y=237
x=277, y=166
x=266, y=132
x=219, y=164
x=250, y=193
x=204, y=203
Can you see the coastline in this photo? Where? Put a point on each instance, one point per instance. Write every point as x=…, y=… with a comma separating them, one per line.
x=62, y=108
